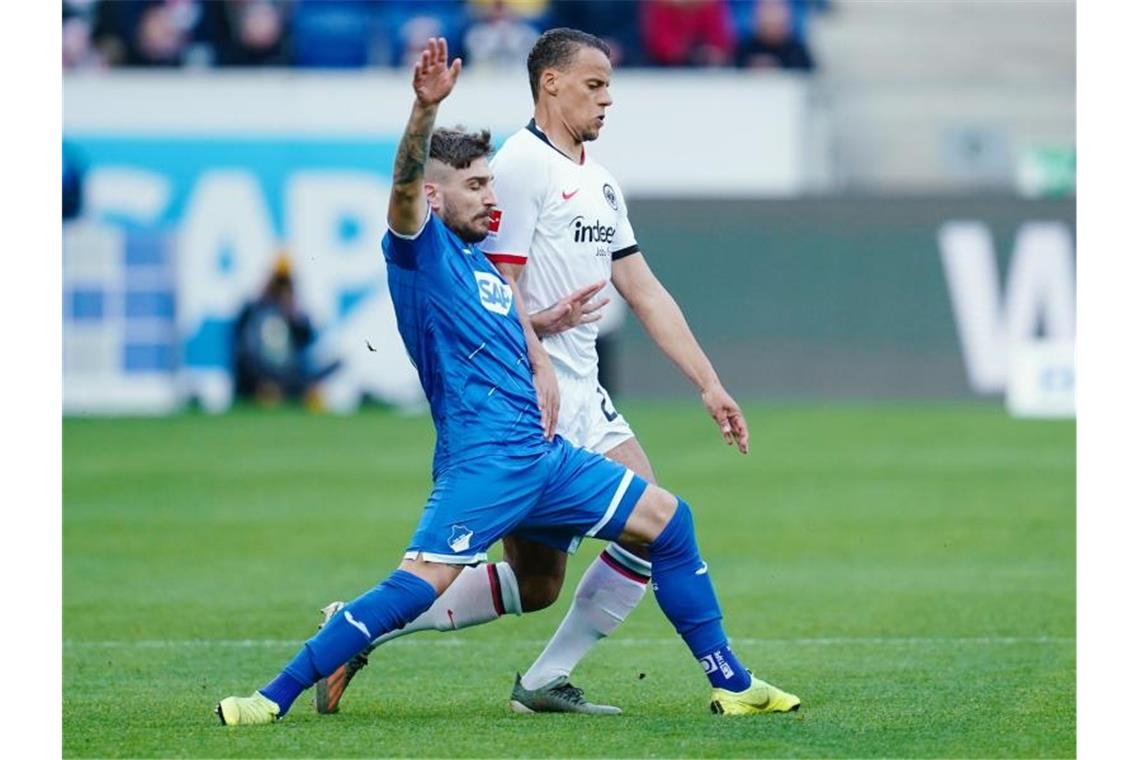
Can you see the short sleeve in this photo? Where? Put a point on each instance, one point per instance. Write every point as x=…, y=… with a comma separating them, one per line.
x=520, y=190
x=624, y=243
x=410, y=251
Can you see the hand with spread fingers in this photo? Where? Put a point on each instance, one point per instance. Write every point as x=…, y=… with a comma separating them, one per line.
x=570, y=311
x=433, y=79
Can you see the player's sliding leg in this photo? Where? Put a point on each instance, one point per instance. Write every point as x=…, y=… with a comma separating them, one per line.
x=403, y=596
x=477, y=596
x=610, y=589
x=685, y=594
x=480, y=594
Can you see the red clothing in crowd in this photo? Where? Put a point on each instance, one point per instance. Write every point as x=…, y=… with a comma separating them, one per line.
x=680, y=32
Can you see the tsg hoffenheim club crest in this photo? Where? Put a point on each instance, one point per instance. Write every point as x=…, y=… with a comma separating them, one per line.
x=460, y=540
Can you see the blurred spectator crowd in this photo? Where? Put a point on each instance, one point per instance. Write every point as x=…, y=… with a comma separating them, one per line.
x=101, y=34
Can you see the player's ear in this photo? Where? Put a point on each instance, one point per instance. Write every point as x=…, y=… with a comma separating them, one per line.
x=434, y=197
x=549, y=81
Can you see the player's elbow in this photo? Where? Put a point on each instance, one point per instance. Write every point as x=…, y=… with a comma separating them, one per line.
x=646, y=306
x=654, y=304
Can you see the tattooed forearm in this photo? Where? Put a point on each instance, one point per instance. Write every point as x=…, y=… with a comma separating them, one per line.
x=413, y=151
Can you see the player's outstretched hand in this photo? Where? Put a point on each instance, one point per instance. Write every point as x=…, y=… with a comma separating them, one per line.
x=728, y=416
x=570, y=311
x=433, y=79
x=546, y=386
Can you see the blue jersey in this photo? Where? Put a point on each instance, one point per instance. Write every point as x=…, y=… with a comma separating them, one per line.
x=458, y=322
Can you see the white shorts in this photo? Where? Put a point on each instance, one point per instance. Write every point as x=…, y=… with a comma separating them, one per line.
x=586, y=416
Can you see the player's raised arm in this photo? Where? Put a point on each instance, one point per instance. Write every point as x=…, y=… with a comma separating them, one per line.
x=432, y=81
x=663, y=320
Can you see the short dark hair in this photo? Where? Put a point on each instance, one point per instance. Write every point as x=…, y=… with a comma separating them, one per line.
x=457, y=147
x=556, y=49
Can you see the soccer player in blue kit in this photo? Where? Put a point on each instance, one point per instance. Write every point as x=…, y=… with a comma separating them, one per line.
x=498, y=469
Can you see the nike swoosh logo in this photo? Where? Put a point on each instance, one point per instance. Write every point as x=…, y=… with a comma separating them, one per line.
x=704, y=568
x=357, y=624
x=567, y=196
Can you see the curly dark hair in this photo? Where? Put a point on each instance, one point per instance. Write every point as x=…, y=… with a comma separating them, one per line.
x=556, y=49
x=457, y=147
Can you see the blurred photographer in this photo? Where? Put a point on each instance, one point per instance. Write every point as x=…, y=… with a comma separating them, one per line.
x=271, y=338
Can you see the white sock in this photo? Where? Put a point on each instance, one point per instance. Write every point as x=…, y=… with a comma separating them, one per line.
x=480, y=594
x=609, y=590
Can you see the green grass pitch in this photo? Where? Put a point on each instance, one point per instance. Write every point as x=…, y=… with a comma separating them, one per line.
x=907, y=569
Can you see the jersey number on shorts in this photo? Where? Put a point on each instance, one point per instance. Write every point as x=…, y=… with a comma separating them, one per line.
x=611, y=413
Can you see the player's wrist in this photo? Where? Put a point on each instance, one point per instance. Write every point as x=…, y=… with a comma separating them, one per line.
x=541, y=364
x=542, y=324
x=538, y=324
x=710, y=386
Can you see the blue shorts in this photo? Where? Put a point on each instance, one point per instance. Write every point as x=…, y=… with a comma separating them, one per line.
x=554, y=498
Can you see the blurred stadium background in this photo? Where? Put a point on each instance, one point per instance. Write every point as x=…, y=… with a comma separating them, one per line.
x=888, y=212
x=866, y=210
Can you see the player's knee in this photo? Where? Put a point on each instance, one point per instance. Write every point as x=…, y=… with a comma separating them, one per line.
x=650, y=515
x=680, y=523
x=539, y=592
x=440, y=576
x=677, y=543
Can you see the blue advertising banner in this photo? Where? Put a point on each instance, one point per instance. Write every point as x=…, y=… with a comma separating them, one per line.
x=199, y=225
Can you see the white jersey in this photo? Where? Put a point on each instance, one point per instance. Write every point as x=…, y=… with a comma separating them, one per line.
x=566, y=221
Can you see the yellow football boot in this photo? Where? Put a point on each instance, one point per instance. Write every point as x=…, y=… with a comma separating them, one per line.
x=760, y=697
x=247, y=711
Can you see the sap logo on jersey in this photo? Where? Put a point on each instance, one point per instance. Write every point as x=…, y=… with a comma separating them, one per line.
x=591, y=233
x=494, y=294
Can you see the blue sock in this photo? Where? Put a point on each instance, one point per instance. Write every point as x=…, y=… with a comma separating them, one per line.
x=401, y=598
x=686, y=596
x=724, y=670
x=283, y=690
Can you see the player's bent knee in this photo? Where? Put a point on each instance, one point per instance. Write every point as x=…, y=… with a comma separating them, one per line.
x=438, y=574
x=640, y=551
x=650, y=515
x=539, y=592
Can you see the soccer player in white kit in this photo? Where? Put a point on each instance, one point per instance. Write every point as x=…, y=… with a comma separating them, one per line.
x=561, y=227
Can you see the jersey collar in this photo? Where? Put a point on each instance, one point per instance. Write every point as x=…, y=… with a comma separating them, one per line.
x=534, y=130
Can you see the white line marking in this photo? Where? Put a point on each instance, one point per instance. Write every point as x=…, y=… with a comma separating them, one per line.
x=464, y=642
